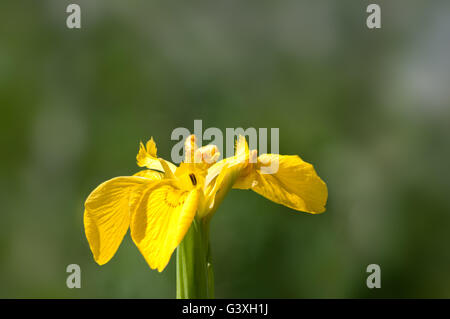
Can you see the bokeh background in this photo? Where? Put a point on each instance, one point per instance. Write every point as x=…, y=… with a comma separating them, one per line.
x=369, y=108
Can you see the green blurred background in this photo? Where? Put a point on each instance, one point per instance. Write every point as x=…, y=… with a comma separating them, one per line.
x=369, y=108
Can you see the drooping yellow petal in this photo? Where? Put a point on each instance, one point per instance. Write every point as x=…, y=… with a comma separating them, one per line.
x=161, y=219
x=107, y=214
x=295, y=184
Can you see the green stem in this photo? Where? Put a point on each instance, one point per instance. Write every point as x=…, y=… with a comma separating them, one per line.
x=195, y=276
x=209, y=264
x=210, y=270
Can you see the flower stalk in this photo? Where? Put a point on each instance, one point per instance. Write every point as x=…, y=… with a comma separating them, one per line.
x=195, y=276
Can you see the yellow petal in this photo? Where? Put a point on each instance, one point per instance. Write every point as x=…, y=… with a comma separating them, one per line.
x=148, y=173
x=214, y=171
x=151, y=147
x=190, y=147
x=161, y=219
x=172, y=167
x=295, y=184
x=225, y=172
x=147, y=157
x=107, y=214
x=207, y=155
x=242, y=152
x=169, y=173
x=219, y=180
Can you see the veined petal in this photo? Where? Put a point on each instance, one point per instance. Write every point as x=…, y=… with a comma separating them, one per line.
x=295, y=184
x=107, y=214
x=161, y=220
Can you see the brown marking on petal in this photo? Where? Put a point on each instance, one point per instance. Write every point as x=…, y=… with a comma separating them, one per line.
x=177, y=203
x=193, y=179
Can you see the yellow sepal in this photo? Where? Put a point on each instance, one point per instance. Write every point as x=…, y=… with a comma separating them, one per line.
x=107, y=214
x=161, y=219
x=294, y=184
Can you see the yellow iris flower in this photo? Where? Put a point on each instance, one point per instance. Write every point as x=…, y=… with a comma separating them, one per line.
x=159, y=204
